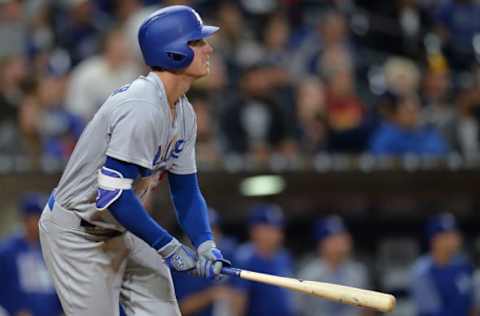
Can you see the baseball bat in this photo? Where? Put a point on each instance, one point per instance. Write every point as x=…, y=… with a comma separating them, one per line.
x=339, y=293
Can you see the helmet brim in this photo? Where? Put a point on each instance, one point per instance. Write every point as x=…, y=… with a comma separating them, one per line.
x=208, y=30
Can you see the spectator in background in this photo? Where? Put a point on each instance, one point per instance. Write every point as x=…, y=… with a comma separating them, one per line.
x=232, y=43
x=271, y=47
x=332, y=263
x=27, y=289
x=29, y=122
x=439, y=108
x=254, y=123
x=207, y=147
x=264, y=253
x=79, y=28
x=13, y=28
x=201, y=297
x=58, y=128
x=399, y=27
x=468, y=104
x=13, y=72
x=49, y=130
x=94, y=79
x=277, y=53
x=330, y=35
x=346, y=113
x=401, y=131
x=312, y=127
x=402, y=76
x=457, y=24
x=441, y=281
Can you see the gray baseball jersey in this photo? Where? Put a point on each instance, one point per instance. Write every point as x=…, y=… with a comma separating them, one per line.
x=133, y=125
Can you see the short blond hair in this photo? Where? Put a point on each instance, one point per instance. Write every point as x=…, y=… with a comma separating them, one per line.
x=402, y=75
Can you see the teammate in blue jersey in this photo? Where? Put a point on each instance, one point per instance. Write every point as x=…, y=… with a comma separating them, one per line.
x=202, y=297
x=441, y=281
x=100, y=245
x=264, y=253
x=26, y=286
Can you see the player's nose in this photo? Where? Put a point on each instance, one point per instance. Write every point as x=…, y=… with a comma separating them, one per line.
x=208, y=48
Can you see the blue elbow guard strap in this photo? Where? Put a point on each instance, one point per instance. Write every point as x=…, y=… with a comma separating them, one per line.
x=111, y=183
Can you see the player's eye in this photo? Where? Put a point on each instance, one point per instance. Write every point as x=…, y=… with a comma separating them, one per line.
x=199, y=42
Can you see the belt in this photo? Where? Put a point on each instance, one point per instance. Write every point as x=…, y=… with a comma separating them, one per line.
x=70, y=219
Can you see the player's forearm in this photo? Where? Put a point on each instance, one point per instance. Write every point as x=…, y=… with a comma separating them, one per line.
x=115, y=194
x=191, y=207
x=128, y=211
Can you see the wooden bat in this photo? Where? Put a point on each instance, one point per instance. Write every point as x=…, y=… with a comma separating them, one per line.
x=339, y=293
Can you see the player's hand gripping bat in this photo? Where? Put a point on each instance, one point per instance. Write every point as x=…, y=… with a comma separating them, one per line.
x=343, y=294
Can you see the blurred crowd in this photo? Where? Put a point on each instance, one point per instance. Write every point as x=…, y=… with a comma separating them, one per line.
x=290, y=78
x=443, y=280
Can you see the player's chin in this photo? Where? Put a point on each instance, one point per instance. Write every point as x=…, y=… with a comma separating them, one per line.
x=204, y=72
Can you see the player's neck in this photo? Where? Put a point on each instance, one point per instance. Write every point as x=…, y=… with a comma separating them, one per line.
x=176, y=85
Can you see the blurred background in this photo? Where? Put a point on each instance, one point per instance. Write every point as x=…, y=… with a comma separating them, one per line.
x=342, y=137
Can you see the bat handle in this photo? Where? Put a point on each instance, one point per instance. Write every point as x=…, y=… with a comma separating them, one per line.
x=231, y=271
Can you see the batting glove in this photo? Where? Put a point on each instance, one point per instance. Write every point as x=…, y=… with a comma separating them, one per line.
x=210, y=260
x=178, y=256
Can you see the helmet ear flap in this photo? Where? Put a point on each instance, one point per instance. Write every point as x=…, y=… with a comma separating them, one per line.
x=180, y=57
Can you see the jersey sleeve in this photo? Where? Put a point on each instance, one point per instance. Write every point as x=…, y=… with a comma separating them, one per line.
x=134, y=134
x=185, y=151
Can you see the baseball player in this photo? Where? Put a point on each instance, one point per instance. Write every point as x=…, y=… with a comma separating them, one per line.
x=264, y=253
x=100, y=244
x=333, y=263
x=26, y=287
x=442, y=280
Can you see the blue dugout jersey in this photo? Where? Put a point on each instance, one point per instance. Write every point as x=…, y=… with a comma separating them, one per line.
x=26, y=284
x=264, y=299
x=442, y=290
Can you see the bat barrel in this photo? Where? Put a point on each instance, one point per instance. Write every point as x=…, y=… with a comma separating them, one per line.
x=334, y=292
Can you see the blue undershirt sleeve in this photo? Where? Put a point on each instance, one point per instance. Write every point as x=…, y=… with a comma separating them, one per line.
x=191, y=208
x=129, y=212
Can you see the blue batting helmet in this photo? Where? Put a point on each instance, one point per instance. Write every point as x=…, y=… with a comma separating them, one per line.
x=440, y=223
x=266, y=214
x=32, y=203
x=327, y=227
x=164, y=36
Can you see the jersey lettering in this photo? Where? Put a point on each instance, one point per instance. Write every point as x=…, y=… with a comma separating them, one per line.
x=121, y=89
x=172, y=151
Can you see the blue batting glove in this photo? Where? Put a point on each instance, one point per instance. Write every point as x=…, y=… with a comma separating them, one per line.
x=210, y=260
x=178, y=256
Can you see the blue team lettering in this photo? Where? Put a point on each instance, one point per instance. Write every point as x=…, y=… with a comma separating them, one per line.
x=178, y=148
x=169, y=152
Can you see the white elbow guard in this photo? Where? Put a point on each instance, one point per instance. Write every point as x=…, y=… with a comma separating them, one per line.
x=111, y=183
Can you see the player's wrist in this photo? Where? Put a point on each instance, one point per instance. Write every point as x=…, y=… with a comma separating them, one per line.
x=206, y=246
x=169, y=248
x=200, y=238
